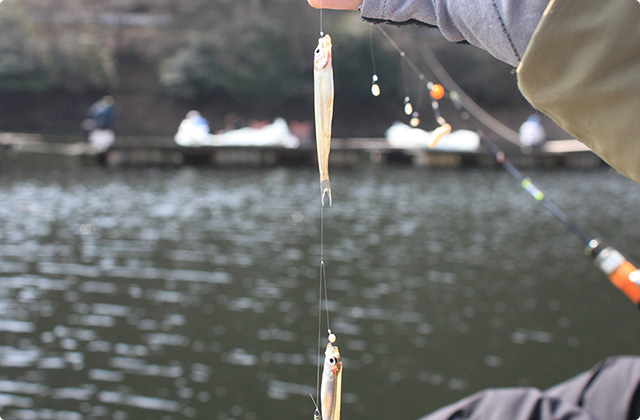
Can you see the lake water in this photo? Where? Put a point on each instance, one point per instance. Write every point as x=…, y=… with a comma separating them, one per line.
x=192, y=293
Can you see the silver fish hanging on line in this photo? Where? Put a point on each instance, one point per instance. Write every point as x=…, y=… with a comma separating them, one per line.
x=323, y=109
x=331, y=388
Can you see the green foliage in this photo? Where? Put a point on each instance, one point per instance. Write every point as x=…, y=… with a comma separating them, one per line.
x=191, y=71
x=29, y=61
x=19, y=67
x=79, y=65
x=256, y=51
x=256, y=66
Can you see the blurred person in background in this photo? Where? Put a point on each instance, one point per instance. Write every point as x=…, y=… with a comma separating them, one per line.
x=99, y=126
x=193, y=130
x=532, y=134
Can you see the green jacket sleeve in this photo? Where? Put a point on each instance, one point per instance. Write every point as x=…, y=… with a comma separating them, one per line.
x=582, y=68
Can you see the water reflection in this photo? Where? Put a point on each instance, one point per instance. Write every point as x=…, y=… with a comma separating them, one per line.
x=148, y=294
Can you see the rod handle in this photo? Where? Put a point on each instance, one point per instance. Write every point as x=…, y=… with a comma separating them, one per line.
x=623, y=278
x=622, y=273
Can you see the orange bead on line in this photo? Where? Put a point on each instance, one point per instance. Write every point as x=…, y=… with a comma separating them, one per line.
x=437, y=92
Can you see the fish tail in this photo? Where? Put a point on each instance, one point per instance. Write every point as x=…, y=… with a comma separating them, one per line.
x=325, y=189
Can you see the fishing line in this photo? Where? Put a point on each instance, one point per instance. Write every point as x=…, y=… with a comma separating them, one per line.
x=322, y=274
x=323, y=108
x=322, y=294
x=402, y=53
x=436, y=91
x=321, y=29
x=316, y=414
x=321, y=286
x=415, y=116
x=408, y=108
x=375, y=88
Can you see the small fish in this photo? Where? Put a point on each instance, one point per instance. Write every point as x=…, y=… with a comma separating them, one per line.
x=323, y=109
x=331, y=388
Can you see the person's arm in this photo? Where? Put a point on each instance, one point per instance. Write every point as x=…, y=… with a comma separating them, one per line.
x=336, y=4
x=501, y=27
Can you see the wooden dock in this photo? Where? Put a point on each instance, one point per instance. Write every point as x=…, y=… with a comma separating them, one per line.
x=344, y=152
x=163, y=151
x=35, y=143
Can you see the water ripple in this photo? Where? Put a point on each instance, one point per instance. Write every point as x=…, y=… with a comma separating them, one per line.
x=187, y=294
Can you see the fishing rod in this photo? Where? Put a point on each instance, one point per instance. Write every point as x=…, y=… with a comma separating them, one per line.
x=621, y=272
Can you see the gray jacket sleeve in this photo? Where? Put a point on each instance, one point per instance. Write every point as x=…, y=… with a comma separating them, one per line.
x=512, y=404
x=501, y=27
x=609, y=391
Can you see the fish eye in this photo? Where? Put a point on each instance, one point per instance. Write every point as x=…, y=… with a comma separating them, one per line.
x=317, y=50
x=332, y=361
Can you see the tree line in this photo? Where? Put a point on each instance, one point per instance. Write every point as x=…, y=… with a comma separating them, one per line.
x=249, y=51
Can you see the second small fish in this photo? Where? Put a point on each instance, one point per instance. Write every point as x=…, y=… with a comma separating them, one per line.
x=331, y=389
x=323, y=109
